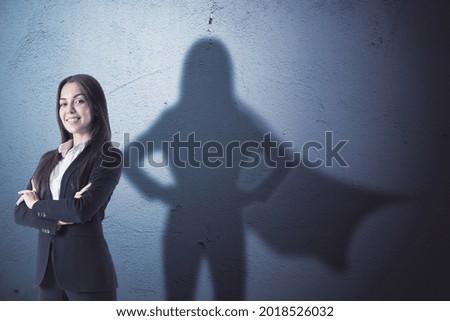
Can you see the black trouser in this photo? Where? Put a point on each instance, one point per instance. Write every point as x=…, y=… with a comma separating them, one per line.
x=50, y=290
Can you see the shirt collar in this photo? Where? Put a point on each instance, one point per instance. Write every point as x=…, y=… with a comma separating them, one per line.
x=65, y=147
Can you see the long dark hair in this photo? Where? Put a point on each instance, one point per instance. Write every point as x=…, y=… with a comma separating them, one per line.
x=100, y=134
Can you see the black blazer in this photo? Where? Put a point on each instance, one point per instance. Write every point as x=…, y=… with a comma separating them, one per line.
x=80, y=255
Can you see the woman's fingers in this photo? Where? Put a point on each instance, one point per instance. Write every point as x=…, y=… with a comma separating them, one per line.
x=29, y=197
x=64, y=223
x=84, y=189
x=20, y=200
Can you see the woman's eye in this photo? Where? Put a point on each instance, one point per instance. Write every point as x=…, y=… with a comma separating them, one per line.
x=79, y=101
x=62, y=105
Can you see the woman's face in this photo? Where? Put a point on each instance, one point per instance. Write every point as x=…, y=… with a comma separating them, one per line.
x=75, y=111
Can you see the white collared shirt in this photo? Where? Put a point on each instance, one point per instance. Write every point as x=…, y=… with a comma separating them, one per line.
x=68, y=154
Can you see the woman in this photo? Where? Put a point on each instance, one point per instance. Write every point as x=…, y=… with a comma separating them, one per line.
x=67, y=196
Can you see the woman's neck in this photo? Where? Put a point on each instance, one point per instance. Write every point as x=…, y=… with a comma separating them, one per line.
x=77, y=139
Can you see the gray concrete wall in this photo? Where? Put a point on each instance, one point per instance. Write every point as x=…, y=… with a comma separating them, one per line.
x=375, y=73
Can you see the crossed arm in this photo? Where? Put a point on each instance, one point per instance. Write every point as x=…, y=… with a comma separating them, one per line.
x=30, y=197
x=51, y=214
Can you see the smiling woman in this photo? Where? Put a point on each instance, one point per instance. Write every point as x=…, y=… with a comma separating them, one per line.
x=67, y=196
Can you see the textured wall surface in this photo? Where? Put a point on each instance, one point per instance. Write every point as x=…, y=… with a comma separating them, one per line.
x=375, y=73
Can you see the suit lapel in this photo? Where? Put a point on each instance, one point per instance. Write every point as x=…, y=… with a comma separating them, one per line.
x=72, y=167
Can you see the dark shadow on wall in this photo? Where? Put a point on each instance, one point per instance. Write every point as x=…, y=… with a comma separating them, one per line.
x=298, y=211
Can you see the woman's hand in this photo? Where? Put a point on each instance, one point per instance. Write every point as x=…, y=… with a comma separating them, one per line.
x=61, y=223
x=28, y=196
x=81, y=191
x=78, y=194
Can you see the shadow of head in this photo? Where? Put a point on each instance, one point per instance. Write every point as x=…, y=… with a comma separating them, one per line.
x=207, y=71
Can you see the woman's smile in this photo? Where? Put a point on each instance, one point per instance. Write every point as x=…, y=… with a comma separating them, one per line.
x=72, y=119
